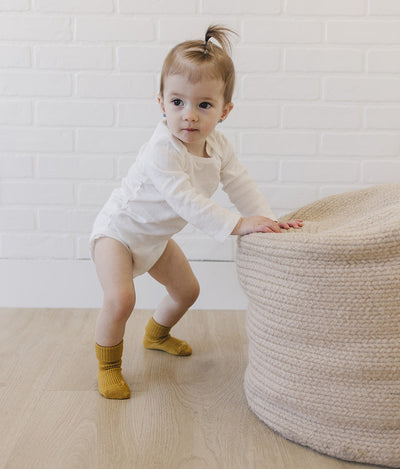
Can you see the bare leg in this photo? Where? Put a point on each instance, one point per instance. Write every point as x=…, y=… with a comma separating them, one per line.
x=174, y=272
x=114, y=269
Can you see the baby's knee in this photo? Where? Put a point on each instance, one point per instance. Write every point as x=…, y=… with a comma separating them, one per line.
x=191, y=293
x=120, y=304
x=196, y=291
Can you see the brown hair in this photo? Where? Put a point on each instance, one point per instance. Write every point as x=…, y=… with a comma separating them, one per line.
x=198, y=58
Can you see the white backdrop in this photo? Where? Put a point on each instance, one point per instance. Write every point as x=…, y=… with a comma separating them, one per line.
x=317, y=112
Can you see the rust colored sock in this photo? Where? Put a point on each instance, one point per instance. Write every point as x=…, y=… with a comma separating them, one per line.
x=157, y=337
x=112, y=384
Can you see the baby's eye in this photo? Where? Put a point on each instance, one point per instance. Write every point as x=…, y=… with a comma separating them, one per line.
x=177, y=102
x=205, y=105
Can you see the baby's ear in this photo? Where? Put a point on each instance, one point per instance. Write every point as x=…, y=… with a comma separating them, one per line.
x=160, y=99
x=227, y=109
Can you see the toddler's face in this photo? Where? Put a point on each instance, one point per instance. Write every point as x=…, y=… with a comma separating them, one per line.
x=193, y=109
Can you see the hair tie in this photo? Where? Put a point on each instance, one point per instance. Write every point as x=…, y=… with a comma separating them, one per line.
x=208, y=37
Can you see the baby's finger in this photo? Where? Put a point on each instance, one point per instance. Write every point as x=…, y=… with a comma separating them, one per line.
x=275, y=228
x=296, y=223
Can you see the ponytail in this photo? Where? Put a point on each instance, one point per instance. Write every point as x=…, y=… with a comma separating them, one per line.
x=221, y=35
x=196, y=58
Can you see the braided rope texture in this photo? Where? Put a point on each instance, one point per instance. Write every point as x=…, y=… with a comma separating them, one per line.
x=324, y=326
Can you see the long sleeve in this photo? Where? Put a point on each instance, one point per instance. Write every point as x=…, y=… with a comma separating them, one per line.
x=167, y=172
x=240, y=187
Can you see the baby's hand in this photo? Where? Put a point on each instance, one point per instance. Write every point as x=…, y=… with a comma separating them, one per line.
x=291, y=224
x=256, y=224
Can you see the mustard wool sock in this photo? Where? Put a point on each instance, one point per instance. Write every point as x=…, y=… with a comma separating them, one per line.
x=111, y=382
x=157, y=338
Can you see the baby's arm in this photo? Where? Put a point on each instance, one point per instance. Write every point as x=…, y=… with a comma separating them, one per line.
x=167, y=172
x=240, y=187
x=244, y=193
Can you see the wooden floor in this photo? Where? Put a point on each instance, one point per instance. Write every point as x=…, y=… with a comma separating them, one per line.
x=185, y=412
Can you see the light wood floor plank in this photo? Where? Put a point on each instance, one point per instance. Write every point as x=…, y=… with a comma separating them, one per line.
x=185, y=412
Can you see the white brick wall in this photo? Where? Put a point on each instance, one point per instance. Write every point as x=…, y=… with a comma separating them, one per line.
x=317, y=105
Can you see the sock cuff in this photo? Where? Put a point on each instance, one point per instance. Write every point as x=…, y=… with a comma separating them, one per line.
x=109, y=354
x=153, y=329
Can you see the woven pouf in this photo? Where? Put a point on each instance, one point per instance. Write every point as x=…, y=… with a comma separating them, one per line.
x=324, y=326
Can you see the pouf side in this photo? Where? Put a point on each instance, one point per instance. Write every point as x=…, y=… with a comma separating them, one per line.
x=324, y=327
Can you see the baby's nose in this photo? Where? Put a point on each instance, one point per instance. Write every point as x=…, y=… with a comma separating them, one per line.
x=190, y=114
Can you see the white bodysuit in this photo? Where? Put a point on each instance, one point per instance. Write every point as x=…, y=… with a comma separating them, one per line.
x=167, y=187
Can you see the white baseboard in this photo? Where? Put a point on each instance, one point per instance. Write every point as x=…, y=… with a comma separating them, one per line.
x=74, y=284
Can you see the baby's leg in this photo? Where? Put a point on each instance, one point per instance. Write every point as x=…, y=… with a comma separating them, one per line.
x=114, y=269
x=174, y=272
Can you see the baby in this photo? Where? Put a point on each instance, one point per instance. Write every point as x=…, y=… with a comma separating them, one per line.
x=170, y=185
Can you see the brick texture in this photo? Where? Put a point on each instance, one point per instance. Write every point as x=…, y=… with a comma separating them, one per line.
x=317, y=105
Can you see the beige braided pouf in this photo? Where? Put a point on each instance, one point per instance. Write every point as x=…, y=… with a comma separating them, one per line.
x=324, y=326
